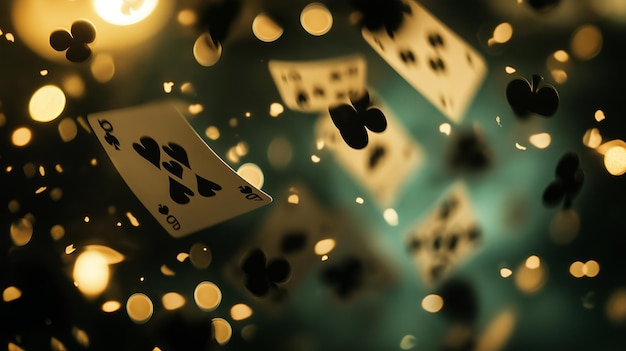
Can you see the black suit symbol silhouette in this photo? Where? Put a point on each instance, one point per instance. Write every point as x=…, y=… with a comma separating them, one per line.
x=352, y=121
x=75, y=40
x=261, y=276
x=569, y=180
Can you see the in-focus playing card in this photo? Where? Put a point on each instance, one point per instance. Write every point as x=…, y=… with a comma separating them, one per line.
x=446, y=236
x=314, y=86
x=433, y=59
x=384, y=165
x=171, y=170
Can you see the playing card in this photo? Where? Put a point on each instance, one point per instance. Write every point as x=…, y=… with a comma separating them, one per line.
x=384, y=165
x=433, y=59
x=314, y=86
x=167, y=165
x=354, y=267
x=283, y=249
x=446, y=236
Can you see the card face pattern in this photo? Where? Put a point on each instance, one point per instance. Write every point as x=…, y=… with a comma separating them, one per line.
x=171, y=170
x=314, y=86
x=281, y=252
x=436, y=61
x=384, y=165
x=445, y=236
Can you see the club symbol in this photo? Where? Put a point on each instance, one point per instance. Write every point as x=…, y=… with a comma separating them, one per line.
x=379, y=14
x=261, y=276
x=568, y=182
x=346, y=277
x=526, y=98
x=352, y=121
x=74, y=42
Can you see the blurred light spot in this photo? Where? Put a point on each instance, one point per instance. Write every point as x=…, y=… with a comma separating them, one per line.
x=408, y=342
x=186, y=17
x=68, y=129
x=56, y=194
x=194, y=109
x=21, y=136
x=165, y=270
x=47, y=103
x=586, y=42
x=206, y=51
x=13, y=206
x=9, y=37
x=324, y=246
x=232, y=155
x=564, y=226
x=276, y=109
x=43, y=72
x=248, y=332
x=91, y=273
x=616, y=306
x=293, y=199
x=102, y=68
x=9, y=169
x=111, y=306
x=141, y=279
x=240, y=312
x=3, y=119
x=86, y=219
x=615, y=160
x=222, y=331
x=187, y=88
x=111, y=256
x=21, y=231
x=315, y=159
x=496, y=334
x=265, y=29
x=445, y=128
x=29, y=170
x=233, y=122
x=503, y=33
x=561, y=56
x=505, y=272
x=212, y=133
x=14, y=347
x=498, y=121
x=533, y=262
x=69, y=249
x=80, y=336
x=181, y=257
x=599, y=115
x=57, y=232
x=324, y=258
x=200, y=255
x=591, y=268
x=41, y=189
x=247, y=114
x=252, y=174
x=592, y=138
x=93, y=162
x=279, y=152
x=391, y=217
x=540, y=140
x=576, y=269
x=207, y=296
x=241, y=148
x=432, y=303
x=316, y=19
x=359, y=200
x=320, y=143
x=520, y=147
x=139, y=308
x=559, y=75
x=11, y=293
x=132, y=219
x=172, y=301
x=167, y=87
x=509, y=69
x=530, y=280
x=74, y=86
x=124, y=12
x=58, y=168
x=57, y=345
x=42, y=171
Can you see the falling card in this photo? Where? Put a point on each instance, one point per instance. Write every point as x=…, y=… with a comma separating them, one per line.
x=444, y=237
x=314, y=86
x=167, y=165
x=384, y=165
x=433, y=59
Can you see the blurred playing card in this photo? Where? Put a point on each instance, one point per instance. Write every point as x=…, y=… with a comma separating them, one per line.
x=443, y=238
x=433, y=59
x=314, y=86
x=171, y=170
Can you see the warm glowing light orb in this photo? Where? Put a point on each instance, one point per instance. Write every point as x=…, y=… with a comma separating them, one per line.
x=47, y=103
x=316, y=19
x=91, y=273
x=615, y=160
x=265, y=29
x=124, y=12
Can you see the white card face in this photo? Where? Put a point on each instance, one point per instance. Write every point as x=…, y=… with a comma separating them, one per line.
x=314, y=86
x=446, y=236
x=384, y=165
x=433, y=59
x=286, y=238
x=171, y=170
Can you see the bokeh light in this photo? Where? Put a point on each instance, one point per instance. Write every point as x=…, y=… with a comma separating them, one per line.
x=615, y=160
x=139, y=308
x=21, y=231
x=207, y=296
x=586, y=42
x=252, y=174
x=240, y=312
x=47, y=103
x=432, y=303
x=172, y=301
x=222, y=331
x=265, y=29
x=124, y=12
x=316, y=19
